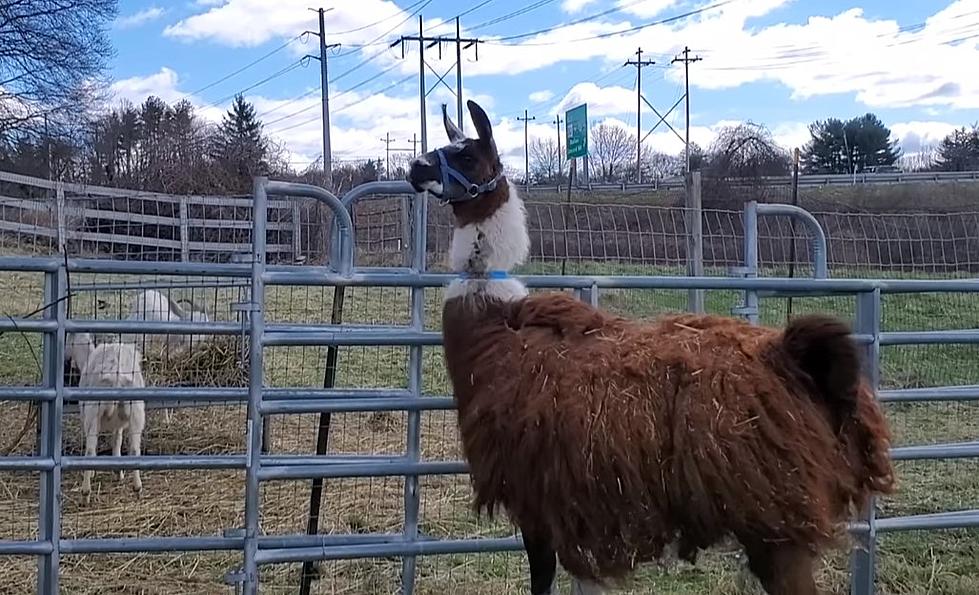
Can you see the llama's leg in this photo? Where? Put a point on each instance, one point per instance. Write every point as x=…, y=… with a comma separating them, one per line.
x=782, y=569
x=543, y=566
x=579, y=587
x=117, y=448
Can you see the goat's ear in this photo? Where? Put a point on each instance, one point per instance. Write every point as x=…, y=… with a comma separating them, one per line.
x=481, y=121
x=455, y=134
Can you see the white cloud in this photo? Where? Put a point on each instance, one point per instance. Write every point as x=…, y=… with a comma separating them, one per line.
x=541, y=96
x=647, y=9
x=575, y=5
x=248, y=23
x=139, y=18
x=917, y=136
x=602, y=101
x=162, y=84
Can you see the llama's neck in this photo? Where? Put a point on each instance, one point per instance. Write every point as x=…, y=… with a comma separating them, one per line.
x=495, y=244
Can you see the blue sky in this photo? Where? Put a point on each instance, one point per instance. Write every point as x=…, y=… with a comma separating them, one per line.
x=783, y=63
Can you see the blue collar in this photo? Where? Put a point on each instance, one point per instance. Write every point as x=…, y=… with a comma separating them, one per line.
x=497, y=275
x=472, y=190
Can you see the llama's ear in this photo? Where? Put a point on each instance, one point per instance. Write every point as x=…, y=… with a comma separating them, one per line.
x=455, y=134
x=481, y=121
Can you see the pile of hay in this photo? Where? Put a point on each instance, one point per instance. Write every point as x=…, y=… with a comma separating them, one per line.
x=217, y=361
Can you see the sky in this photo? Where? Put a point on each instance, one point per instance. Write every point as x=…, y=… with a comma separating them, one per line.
x=780, y=63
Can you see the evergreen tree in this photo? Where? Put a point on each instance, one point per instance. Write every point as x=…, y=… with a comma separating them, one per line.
x=959, y=151
x=838, y=147
x=241, y=148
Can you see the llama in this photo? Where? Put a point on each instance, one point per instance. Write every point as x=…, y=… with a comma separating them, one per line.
x=153, y=305
x=109, y=365
x=607, y=440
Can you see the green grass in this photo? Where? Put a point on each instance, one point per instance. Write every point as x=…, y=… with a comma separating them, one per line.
x=178, y=503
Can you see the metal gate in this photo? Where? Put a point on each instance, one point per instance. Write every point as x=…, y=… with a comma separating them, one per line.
x=260, y=549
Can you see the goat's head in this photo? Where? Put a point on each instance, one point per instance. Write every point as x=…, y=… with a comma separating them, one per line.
x=78, y=346
x=463, y=170
x=191, y=312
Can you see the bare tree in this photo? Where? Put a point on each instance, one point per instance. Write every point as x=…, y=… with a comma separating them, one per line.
x=747, y=150
x=53, y=55
x=611, y=147
x=545, y=162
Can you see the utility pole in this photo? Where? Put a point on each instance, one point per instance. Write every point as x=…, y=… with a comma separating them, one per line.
x=639, y=63
x=526, y=146
x=557, y=123
x=460, y=122
x=686, y=59
x=427, y=42
x=414, y=143
x=325, y=94
x=387, y=140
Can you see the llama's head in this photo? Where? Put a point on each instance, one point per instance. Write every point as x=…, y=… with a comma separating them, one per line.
x=490, y=221
x=464, y=171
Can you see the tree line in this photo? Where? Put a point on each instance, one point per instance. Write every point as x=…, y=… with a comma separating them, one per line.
x=56, y=121
x=748, y=150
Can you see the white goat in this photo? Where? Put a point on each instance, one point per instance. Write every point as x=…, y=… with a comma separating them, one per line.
x=153, y=305
x=109, y=365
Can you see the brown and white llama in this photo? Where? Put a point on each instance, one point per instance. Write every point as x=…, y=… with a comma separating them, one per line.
x=607, y=440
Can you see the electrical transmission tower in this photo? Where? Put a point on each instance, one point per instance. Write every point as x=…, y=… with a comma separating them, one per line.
x=428, y=42
x=639, y=63
x=526, y=146
x=557, y=124
x=325, y=94
x=686, y=59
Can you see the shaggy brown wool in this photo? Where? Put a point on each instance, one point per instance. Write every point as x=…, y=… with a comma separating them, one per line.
x=611, y=438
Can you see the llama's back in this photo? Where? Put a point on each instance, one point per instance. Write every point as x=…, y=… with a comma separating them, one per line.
x=682, y=430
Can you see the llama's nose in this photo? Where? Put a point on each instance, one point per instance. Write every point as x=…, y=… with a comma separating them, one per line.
x=423, y=170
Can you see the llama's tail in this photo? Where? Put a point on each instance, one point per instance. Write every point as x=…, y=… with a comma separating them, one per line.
x=820, y=350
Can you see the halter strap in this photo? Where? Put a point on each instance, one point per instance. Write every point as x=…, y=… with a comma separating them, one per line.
x=472, y=190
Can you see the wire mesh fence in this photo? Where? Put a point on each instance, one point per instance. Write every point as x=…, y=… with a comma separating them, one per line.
x=572, y=238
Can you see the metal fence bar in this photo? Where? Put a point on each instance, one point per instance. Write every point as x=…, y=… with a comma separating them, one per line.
x=863, y=559
x=412, y=498
x=256, y=318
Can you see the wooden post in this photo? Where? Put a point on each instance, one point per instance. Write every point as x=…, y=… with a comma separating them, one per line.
x=60, y=217
x=297, y=231
x=184, y=231
x=695, y=240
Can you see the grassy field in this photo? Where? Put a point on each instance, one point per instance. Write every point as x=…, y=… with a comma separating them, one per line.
x=197, y=503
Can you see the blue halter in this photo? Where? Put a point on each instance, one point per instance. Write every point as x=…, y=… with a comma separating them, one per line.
x=472, y=190
x=496, y=275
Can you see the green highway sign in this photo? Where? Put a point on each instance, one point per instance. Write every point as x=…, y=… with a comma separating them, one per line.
x=576, y=121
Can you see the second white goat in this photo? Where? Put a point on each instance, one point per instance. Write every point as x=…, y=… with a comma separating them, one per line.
x=109, y=365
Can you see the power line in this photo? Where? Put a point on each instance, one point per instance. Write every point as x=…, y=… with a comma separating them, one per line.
x=378, y=39
x=585, y=19
x=271, y=77
x=376, y=23
x=679, y=17
x=474, y=8
x=511, y=15
x=345, y=107
x=245, y=67
x=340, y=94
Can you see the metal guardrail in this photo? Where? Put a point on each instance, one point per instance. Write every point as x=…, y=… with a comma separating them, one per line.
x=677, y=183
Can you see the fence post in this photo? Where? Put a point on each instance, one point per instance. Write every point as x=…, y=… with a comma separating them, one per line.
x=405, y=238
x=695, y=239
x=297, y=231
x=863, y=558
x=60, y=217
x=50, y=439
x=184, y=231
